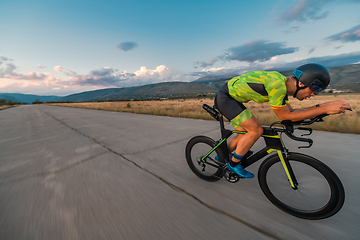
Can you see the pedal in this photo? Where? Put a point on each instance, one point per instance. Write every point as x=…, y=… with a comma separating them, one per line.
x=231, y=177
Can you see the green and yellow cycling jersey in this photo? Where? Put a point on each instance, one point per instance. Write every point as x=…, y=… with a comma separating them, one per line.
x=259, y=86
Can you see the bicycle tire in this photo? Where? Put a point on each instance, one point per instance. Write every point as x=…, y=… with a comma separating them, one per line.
x=327, y=204
x=196, y=148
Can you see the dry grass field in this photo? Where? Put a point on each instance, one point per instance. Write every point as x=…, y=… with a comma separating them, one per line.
x=348, y=122
x=6, y=106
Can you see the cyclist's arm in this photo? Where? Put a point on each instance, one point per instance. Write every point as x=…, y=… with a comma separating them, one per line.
x=285, y=113
x=288, y=113
x=300, y=109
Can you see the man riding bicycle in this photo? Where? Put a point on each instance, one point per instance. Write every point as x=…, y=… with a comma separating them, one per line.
x=261, y=86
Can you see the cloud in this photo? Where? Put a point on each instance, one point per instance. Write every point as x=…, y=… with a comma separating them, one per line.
x=127, y=46
x=40, y=66
x=304, y=11
x=2, y=58
x=32, y=82
x=97, y=78
x=45, y=83
x=311, y=50
x=102, y=72
x=350, y=35
x=307, y=10
x=109, y=77
x=203, y=64
x=160, y=73
x=67, y=72
x=8, y=73
x=219, y=71
x=32, y=76
x=260, y=50
x=291, y=29
x=8, y=69
x=255, y=51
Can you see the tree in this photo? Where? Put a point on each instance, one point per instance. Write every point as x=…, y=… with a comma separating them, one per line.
x=37, y=101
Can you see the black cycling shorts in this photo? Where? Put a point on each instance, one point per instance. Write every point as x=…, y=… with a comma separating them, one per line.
x=233, y=110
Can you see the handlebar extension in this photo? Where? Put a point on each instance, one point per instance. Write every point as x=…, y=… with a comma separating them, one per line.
x=311, y=120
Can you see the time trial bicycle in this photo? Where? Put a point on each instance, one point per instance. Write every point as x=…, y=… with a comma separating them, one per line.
x=296, y=183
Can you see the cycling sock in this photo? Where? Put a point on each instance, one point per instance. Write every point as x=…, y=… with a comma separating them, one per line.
x=233, y=164
x=238, y=157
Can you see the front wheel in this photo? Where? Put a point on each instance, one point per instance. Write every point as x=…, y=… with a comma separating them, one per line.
x=319, y=194
x=203, y=164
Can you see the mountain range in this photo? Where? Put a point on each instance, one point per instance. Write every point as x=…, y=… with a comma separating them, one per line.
x=27, y=98
x=342, y=77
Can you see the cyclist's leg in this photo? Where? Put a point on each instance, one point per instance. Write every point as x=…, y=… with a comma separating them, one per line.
x=244, y=121
x=237, y=113
x=242, y=143
x=232, y=144
x=254, y=131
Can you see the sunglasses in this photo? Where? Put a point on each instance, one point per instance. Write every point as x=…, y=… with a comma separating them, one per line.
x=317, y=87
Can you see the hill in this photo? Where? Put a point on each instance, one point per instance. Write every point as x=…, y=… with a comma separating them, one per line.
x=151, y=91
x=27, y=98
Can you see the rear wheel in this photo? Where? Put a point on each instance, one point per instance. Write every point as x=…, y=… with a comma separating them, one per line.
x=207, y=168
x=320, y=193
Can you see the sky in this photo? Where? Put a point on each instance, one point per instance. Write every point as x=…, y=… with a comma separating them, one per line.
x=66, y=47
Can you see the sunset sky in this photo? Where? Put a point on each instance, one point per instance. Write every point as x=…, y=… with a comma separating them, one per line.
x=64, y=47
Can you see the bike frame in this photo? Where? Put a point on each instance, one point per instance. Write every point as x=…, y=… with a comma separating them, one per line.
x=273, y=144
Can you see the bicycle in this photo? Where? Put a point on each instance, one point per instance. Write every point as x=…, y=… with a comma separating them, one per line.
x=296, y=183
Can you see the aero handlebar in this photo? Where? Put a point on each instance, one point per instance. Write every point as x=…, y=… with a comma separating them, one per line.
x=289, y=128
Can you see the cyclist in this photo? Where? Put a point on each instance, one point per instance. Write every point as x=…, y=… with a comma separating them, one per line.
x=262, y=86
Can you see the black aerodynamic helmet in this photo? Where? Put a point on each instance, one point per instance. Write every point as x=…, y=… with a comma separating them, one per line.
x=312, y=75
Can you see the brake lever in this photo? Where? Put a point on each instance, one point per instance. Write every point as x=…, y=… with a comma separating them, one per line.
x=308, y=140
x=310, y=144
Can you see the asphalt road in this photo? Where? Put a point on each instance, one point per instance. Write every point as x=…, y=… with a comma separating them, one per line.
x=70, y=173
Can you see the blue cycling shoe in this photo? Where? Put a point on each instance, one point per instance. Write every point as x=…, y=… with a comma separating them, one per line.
x=239, y=170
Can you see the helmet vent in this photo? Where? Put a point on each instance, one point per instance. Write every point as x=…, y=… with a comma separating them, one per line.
x=297, y=73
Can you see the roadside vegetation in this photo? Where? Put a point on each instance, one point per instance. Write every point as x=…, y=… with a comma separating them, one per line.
x=191, y=108
x=4, y=103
